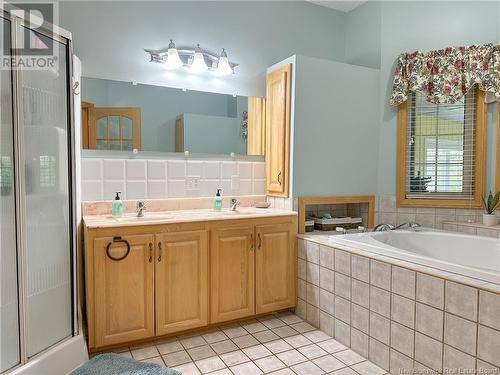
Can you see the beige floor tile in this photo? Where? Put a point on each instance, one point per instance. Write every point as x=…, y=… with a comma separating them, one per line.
x=266, y=336
x=291, y=357
x=269, y=364
x=225, y=346
x=234, y=358
x=176, y=358
x=312, y=351
x=332, y=346
x=188, y=369
x=344, y=371
x=236, y=331
x=285, y=371
x=272, y=322
x=201, y=352
x=302, y=327
x=278, y=346
x=257, y=351
x=145, y=353
x=254, y=327
x=155, y=360
x=317, y=336
x=224, y=371
x=169, y=347
x=210, y=364
x=329, y=363
x=297, y=341
x=368, y=368
x=215, y=336
x=289, y=318
x=307, y=368
x=349, y=357
x=285, y=331
x=193, y=342
x=245, y=341
x=248, y=368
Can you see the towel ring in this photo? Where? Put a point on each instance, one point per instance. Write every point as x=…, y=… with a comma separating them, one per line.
x=115, y=240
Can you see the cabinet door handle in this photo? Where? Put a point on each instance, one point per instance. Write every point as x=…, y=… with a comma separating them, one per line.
x=259, y=240
x=279, y=177
x=159, y=251
x=150, y=252
x=251, y=242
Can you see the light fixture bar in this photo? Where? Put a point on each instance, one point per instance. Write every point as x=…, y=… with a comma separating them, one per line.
x=186, y=55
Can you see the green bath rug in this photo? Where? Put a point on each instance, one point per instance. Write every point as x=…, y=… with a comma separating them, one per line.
x=114, y=364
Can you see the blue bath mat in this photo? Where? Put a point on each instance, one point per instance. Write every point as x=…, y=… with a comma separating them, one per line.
x=114, y=364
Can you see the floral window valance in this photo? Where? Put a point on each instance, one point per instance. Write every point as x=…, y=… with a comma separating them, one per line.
x=446, y=75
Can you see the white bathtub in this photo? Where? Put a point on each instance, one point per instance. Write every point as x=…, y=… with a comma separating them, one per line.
x=477, y=257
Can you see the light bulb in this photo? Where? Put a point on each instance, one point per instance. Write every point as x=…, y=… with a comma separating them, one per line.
x=173, y=59
x=198, y=65
x=223, y=67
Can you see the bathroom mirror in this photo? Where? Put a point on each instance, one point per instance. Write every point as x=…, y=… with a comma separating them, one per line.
x=123, y=116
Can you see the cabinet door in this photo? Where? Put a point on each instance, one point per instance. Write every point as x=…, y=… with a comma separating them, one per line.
x=256, y=138
x=232, y=274
x=275, y=267
x=123, y=290
x=278, y=131
x=181, y=281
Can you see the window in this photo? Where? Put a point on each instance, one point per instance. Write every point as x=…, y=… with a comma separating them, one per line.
x=441, y=158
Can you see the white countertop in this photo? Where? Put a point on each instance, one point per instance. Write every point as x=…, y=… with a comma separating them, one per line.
x=183, y=216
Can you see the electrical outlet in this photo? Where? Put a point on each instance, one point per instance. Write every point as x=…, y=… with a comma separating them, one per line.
x=192, y=183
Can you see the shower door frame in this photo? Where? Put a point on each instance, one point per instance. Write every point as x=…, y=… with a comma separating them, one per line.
x=59, y=35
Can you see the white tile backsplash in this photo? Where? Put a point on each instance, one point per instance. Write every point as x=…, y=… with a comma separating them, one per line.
x=157, y=179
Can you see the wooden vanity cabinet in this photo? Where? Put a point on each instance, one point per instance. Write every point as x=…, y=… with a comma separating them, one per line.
x=232, y=264
x=181, y=281
x=178, y=277
x=275, y=266
x=121, y=291
x=278, y=91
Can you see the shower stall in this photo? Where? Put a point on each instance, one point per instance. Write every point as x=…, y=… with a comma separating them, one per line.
x=38, y=295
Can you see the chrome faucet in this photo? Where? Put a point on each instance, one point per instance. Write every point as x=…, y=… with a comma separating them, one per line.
x=140, y=208
x=234, y=203
x=383, y=227
x=410, y=225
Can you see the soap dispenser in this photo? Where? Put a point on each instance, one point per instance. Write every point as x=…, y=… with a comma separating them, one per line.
x=117, y=206
x=218, y=201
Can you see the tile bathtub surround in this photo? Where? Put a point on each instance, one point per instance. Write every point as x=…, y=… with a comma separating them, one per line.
x=386, y=211
x=171, y=204
x=156, y=179
x=243, y=349
x=400, y=315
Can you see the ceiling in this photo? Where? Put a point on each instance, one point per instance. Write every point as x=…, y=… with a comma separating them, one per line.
x=343, y=6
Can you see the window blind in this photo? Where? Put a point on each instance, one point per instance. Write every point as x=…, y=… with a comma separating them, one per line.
x=441, y=148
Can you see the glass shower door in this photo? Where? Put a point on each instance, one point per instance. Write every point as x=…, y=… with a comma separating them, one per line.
x=47, y=202
x=9, y=301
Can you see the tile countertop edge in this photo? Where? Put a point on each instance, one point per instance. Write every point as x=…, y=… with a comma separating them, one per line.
x=182, y=216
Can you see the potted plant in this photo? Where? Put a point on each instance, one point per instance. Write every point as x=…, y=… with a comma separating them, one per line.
x=490, y=205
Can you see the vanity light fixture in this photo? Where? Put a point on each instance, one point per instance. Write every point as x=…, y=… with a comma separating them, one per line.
x=198, y=65
x=223, y=67
x=173, y=61
x=196, y=60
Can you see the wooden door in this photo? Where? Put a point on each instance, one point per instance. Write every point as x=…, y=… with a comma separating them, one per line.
x=232, y=273
x=278, y=131
x=115, y=128
x=181, y=281
x=86, y=124
x=123, y=290
x=275, y=267
x=256, y=140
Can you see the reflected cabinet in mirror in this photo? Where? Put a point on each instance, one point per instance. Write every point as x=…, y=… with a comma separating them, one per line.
x=121, y=116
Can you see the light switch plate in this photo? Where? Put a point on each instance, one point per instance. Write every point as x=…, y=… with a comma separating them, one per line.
x=192, y=183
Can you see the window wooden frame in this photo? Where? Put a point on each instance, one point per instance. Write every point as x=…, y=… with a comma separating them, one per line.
x=479, y=160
